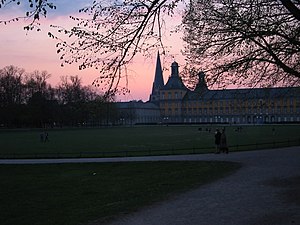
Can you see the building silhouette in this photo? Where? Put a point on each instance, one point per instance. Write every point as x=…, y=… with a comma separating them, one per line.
x=174, y=103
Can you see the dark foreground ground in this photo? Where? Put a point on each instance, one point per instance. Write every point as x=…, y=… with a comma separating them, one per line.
x=265, y=191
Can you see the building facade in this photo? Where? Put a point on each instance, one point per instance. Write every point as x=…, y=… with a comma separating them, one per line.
x=137, y=112
x=178, y=104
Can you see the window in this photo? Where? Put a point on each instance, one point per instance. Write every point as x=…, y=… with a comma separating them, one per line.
x=278, y=109
x=216, y=110
x=273, y=110
x=195, y=110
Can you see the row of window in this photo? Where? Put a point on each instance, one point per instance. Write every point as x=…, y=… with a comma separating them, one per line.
x=249, y=119
x=179, y=94
x=229, y=110
x=215, y=119
x=139, y=119
x=229, y=103
x=171, y=95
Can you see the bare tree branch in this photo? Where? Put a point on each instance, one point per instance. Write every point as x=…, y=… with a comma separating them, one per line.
x=292, y=8
x=241, y=42
x=108, y=37
x=36, y=9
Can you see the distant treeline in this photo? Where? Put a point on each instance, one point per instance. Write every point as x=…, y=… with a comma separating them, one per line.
x=27, y=100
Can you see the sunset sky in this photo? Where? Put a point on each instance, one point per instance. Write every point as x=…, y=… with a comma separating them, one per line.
x=36, y=51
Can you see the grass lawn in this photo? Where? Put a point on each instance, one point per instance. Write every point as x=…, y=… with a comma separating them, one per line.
x=73, y=194
x=140, y=140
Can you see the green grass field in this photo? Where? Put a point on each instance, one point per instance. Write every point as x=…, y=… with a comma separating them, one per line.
x=73, y=194
x=141, y=140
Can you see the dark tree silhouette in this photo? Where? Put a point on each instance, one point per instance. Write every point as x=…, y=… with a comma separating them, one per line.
x=27, y=100
x=245, y=42
x=11, y=81
x=37, y=82
x=292, y=7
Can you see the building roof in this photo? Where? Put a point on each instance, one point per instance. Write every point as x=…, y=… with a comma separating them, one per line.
x=136, y=105
x=174, y=81
x=201, y=86
x=247, y=93
x=202, y=92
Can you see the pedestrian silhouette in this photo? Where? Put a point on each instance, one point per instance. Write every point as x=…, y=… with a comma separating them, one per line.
x=223, y=142
x=46, y=138
x=42, y=137
x=217, y=140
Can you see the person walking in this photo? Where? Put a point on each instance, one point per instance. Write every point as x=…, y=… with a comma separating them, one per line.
x=217, y=141
x=42, y=137
x=46, y=138
x=223, y=142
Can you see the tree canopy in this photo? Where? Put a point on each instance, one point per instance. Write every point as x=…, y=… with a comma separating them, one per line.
x=245, y=42
x=27, y=100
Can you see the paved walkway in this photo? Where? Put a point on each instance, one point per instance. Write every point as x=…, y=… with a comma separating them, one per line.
x=265, y=191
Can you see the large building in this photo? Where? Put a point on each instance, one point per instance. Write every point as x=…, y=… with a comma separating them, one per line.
x=173, y=102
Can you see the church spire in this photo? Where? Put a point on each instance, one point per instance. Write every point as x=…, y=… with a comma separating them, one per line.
x=158, y=80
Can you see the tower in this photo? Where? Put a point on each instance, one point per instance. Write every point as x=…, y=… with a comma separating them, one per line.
x=158, y=81
x=175, y=81
x=201, y=85
x=172, y=95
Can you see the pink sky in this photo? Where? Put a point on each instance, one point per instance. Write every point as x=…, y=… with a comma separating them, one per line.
x=36, y=51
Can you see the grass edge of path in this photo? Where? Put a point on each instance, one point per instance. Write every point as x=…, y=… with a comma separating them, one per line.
x=71, y=194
